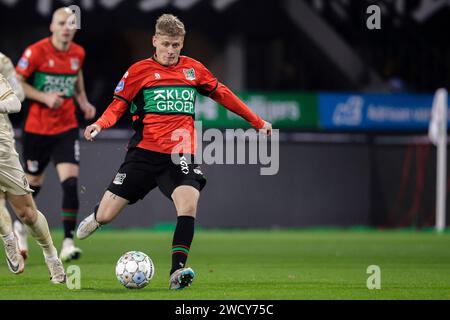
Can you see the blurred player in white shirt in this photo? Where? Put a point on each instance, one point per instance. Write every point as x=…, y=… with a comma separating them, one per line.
x=15, y=188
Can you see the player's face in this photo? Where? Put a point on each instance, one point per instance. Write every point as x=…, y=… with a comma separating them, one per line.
x=62, y=28
x=168, y=48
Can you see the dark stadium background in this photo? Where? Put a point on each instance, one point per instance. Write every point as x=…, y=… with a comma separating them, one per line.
x=326, y=177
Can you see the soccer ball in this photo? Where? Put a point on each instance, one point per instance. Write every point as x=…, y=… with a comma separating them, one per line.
x=134, y=270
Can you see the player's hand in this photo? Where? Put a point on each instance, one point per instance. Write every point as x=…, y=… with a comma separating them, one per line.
x=54, y=100
x=89, y=131
x=266, y=129
x=88, y=110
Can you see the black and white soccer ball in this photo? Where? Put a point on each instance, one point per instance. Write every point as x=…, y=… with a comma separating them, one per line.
x=134, y=270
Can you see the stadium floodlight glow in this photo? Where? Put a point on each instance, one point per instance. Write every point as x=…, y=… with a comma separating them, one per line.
x=437, y=133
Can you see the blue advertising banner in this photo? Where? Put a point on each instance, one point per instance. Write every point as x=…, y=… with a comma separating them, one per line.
x=374, y=111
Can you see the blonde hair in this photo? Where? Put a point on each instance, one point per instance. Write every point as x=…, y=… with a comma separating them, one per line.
x=169, y=25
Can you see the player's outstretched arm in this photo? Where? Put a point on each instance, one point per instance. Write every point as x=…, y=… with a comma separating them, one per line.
x=224, y=96
x=109, y=118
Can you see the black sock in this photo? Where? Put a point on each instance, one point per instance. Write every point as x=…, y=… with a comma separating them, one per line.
x=69, y=227
x=69, y=206
x=182, y=238
x=95, y=211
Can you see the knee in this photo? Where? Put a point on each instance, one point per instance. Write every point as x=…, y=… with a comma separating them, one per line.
x=187, y=207
x=27, y=214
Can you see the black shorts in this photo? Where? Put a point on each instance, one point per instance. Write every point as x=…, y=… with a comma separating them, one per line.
x=143, y=170
x=39, y=149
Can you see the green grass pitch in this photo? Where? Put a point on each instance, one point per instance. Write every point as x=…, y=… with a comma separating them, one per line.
x=304, y=264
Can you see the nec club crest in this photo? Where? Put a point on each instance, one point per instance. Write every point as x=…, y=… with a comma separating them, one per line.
x=189, y=74
x=74, y=64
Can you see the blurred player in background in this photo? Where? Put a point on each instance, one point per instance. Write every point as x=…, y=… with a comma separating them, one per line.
x=51, y=127
x=15, y=188
x=8, y=71
x=160, y=93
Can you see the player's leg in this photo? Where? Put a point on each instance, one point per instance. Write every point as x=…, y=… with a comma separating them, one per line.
x=37, y=226
x=5, y=217
x=109, y=208
x=134, y=179
x=68, y=177
x=20, y=230
x=18, y=194
x=14, y=259
x=182, y=184
x=66, y=157
x=36, y=155
x=185, y=199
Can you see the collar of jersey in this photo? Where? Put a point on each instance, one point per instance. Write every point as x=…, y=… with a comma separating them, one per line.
x=55, y=49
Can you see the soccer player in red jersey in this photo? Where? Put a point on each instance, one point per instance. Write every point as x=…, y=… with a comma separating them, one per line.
x=51, y=127
x=160, y=93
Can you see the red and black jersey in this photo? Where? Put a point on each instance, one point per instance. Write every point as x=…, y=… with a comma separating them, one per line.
x=54, y=71
x=161, y=100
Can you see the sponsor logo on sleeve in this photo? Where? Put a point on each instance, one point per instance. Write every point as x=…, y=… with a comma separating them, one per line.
x=120, y=86
x=23, y=63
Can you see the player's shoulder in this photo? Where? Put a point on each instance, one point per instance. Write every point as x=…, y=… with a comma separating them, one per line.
x=36, y=49
x=40, y=44
x=6, y=64
x=4, y=60
x=3, y=56
x=76, y=48
x=188, y=61
x=140, y=66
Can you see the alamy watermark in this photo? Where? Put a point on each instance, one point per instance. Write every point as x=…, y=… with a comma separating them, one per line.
x=73, y=277
x=74, y=20
x=232, y=146
x=374, y=280
x=374, y=20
